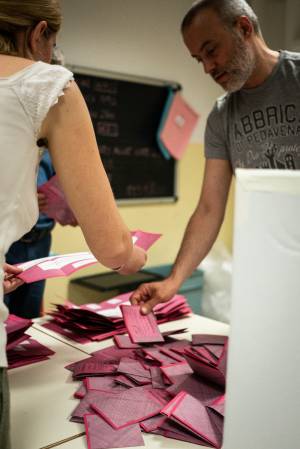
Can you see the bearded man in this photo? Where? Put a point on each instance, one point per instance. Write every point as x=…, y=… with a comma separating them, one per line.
x=256, y=124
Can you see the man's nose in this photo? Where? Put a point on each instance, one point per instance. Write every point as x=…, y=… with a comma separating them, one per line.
x=209, y=66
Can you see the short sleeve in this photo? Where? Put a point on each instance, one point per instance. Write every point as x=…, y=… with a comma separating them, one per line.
x=40, y=90
x=215, y=144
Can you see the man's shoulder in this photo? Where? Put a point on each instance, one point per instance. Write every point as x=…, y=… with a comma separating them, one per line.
x=290, y=66
x=291, y=56
x=291, y=60
x=220, y=105
x=221, y=102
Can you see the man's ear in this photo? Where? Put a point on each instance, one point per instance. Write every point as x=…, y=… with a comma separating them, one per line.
x=245, y=26
x=36, y=35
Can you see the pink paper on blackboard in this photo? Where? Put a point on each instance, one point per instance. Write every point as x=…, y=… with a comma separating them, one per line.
x=178, y=128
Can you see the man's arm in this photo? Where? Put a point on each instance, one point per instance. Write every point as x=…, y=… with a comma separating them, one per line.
x=200, y=234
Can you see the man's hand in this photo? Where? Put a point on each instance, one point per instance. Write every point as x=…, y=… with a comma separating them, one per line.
x=11, y=282
x=150, y=294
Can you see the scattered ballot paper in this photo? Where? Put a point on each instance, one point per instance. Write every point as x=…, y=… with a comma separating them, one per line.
x=141, y=328
x=101, y=434
x=66, y=264
x=164, y=398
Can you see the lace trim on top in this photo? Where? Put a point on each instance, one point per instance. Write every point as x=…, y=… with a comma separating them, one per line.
x=40, y=89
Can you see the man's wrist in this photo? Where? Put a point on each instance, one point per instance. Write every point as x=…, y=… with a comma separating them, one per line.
x=175, y=279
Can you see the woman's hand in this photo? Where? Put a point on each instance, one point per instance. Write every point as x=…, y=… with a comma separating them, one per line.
x=11, y=282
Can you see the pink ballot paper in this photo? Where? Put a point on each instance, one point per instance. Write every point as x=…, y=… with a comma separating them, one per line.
x=100, y=434
x=63, y=265
x=141, y=328
x=178, y=127
x=57, y=206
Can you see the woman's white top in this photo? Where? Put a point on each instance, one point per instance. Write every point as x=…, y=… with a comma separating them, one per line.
x=25, y=99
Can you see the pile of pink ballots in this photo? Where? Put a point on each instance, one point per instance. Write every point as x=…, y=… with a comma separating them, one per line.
x=96, y=322
x=21, y=348
x=131, y=387
x=66, y=264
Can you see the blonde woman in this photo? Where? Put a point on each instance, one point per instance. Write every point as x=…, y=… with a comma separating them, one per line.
x=39, y=100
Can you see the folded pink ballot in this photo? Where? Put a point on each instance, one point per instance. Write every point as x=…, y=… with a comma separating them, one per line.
x=57, y=206
x=124, y=342
x=103, y=383
x=126, y=407
x=144, y=239
x=27, y=352
x=141, y=328
x=191, y=414
x=66, y=264
x=101, y=435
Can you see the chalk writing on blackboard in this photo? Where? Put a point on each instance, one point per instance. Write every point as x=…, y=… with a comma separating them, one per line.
x=126, y=117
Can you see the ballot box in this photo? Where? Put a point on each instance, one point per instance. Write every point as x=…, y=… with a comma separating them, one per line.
x=262, y=405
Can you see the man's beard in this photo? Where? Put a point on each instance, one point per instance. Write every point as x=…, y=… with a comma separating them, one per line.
x=240, y=67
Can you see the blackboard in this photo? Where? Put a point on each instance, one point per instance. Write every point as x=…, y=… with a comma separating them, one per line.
x=126, y=114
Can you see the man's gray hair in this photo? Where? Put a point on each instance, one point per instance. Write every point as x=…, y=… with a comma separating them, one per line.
x=227, y=10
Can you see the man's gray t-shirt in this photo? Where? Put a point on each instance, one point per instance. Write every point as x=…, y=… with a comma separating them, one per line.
x=259, y=127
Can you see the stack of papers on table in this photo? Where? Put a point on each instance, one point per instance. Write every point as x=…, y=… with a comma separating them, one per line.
x=15, y=330
x=21, y=349
x=209, y=360
x=148, y=388
x=96, y=322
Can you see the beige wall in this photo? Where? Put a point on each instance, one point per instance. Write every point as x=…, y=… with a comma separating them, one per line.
x=140, y=37
x=168, y=219
x=283, y=30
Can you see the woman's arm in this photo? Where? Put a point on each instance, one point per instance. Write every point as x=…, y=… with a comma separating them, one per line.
x=75, y=155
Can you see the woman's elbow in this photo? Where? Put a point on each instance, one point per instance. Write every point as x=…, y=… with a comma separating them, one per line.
x=116, y=252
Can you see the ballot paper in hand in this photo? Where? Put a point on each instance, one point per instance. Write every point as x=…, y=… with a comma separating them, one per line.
x=66, y=264
x=57, y=206
x=141, y=328
x=55, y=266
x=97, y=322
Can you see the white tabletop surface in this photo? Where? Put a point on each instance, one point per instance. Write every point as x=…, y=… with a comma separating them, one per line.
x=42, y=397
x=42, y=393
x=151, y=442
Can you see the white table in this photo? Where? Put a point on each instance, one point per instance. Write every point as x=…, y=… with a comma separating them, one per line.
x=42, y=397
x=42, y=393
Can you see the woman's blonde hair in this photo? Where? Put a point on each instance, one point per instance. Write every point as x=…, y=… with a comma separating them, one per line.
x=22, y=16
